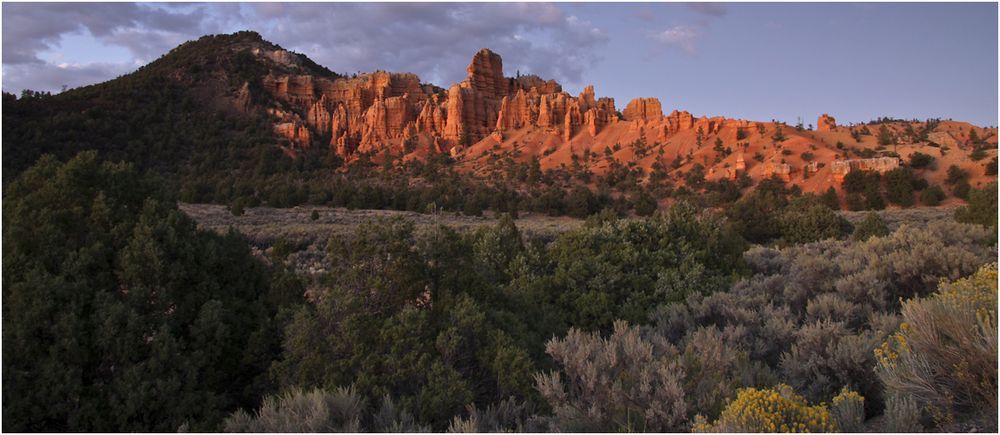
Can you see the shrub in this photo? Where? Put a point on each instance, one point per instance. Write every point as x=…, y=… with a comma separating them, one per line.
x=855, y=181
x=343, y=410
x=855, y=202
x=981, y=208
x=901, y=415
x=619, y=383
x=301, y=411
x=873, y=198
x=956, y=175
x=645, y=204
x=507, y=415
x=990, y=168
x=581, y=202
x=932, y=195
x=961, y=189
x=808, y=220
x=944, y=354
x=827, y=357
x=920, y=160
x=620, y=269
x=848, y=410
x=871, y=226
x=899, y=186
x=769, y=410
x=830, y=199
x=713, y=371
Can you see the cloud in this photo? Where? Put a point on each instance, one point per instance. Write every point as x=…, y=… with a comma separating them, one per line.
x=711, y=9
x=52, y=77
x=30, y=28
x=436, y=40
x=682, y=37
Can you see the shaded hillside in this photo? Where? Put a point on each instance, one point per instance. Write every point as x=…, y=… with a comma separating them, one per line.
x=172, y=115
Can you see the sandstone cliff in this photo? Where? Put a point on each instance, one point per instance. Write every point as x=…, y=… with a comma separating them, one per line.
x=489, y=112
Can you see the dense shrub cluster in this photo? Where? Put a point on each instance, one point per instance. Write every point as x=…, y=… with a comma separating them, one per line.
x=623, y=383
x=120, y=315
x=114, y=304
x=775, y=213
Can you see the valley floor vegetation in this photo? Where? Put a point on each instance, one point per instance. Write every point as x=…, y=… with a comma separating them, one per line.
x=775, y=314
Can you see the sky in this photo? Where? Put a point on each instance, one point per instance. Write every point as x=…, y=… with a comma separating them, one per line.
x=757, y=61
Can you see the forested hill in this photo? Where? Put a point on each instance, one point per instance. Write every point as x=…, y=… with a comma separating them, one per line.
x=176, y=115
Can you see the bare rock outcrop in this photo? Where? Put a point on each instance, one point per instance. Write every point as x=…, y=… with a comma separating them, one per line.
x=643, y=109
x=840, y=168
x=826, y=123
x=680, y=121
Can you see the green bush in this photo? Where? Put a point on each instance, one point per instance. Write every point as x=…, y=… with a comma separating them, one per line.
x=855, y=202
x=932, y=196
x=956, y=175
x=920, y=160
x=899, y=186
x=806, y=219
x=118, y=313
x=871, y=226
x=981, y=208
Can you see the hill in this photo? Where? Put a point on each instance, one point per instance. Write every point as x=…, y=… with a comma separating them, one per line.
x=232, y=116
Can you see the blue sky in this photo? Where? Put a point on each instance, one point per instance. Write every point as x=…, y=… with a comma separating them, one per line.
x=760, y=61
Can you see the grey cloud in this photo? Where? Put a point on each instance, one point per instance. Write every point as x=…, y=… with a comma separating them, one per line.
x=435, y=40
x=712, y=9
x=33, y=27
x=49, y=77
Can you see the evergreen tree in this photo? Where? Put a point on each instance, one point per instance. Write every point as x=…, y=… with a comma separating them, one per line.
x=830, y=198
x=118, y=314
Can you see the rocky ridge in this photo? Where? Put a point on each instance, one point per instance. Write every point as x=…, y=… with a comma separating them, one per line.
x=384, y=112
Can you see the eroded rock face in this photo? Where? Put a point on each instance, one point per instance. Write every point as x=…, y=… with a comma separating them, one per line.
x=840, y=168
x=382, y=110
x=826, y=123
x=643, y=109
x=680, y=121
x=782, y=170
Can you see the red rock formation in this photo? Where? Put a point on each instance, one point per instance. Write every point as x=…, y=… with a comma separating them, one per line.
x=431, y=119
x=573, y=120
x=516, y=112
x=826, y=123
x=782, y=170
x=680, y=121
x=294, y=132
x=643, y=109
x=840, y=168
x=243, y=98
x=741, y=164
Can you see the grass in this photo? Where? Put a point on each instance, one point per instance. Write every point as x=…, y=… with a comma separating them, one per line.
x=266, y=226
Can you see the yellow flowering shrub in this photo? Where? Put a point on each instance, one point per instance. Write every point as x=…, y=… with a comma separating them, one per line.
x=848, y=410
x=769, y=410
x=944, y=354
